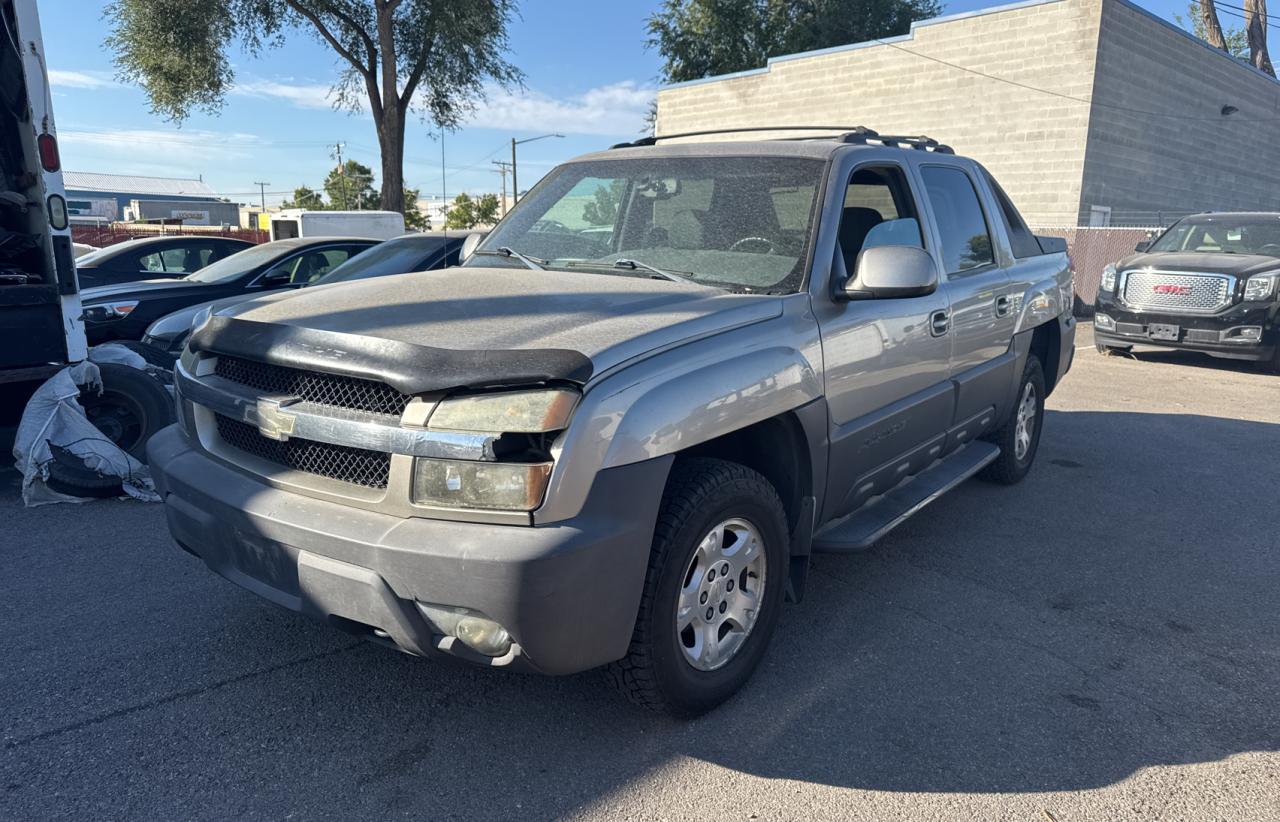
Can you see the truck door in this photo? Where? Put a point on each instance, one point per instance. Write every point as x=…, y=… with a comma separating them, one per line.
x=982, y=316
x=887, y=361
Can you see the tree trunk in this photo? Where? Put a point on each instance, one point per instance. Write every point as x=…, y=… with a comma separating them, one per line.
x=1212, y=28
x=1255, y=21
x=391, y=143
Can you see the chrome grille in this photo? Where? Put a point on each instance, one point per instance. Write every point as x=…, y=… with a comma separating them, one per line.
x=1177, y=292
x=313, y=386
x=340, y=462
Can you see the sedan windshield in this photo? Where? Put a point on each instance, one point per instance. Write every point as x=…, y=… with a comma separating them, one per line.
x=1226, y=234
x=235, y=266
x=741, y=223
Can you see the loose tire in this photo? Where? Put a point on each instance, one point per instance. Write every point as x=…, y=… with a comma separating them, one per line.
x=672, y=665
x=68, y=475
x=132, y=407
x=1019, y=437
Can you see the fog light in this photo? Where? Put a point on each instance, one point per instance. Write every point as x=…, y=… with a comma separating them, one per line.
x=1104, y=322
x=484, y=636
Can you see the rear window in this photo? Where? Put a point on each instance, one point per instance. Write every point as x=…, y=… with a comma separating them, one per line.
x=966, y=242
x=1024, y=243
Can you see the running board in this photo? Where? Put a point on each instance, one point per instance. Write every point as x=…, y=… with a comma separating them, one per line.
x=863, y=527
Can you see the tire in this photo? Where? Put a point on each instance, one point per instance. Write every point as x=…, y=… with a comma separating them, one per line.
x=1275, y=360
x=132, y=407
x=1018, y=452
x=68, y=475
x=664, y=670
x=1112, y=349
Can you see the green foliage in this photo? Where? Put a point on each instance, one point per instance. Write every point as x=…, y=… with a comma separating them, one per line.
x=1237, y=39
x=462, y=213
x=349, y=187
x=487, y=209
x=414, y=220
x=702, y=38
x=304, y=197
x=603, y=210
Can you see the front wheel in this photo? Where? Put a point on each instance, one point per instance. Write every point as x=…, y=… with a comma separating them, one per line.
x=713, y=592
x=1019, y=437
x=130, y=408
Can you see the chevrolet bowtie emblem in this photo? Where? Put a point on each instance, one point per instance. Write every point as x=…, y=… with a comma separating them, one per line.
x=272, y=420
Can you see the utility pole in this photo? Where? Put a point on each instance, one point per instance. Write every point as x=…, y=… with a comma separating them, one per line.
x=444, y=187
x=503, y=168
x=342, y=173
x=262, y=191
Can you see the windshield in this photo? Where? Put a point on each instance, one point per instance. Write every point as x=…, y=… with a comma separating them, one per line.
x=741, y=223
x=235, y=266
x=1224, y=234
x=391, y=257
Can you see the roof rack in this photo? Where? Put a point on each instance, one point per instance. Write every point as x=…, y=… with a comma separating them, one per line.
x=856, y=135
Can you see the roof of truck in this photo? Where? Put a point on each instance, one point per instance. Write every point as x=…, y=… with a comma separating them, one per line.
x=818, y=142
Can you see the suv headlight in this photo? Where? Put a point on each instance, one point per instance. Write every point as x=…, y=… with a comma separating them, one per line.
x=517, y=481
x=1261, y=286
x=104, y=312
x=1108, y=278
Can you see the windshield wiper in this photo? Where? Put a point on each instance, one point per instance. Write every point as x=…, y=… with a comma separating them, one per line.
x=634, y=265
x=532, y=262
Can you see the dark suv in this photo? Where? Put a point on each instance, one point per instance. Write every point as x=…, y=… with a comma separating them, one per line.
x=1208, y=283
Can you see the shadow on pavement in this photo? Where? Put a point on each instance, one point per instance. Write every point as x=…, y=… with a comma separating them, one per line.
x=1113, y=612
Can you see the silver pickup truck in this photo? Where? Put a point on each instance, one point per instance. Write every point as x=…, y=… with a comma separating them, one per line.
x=614, y=435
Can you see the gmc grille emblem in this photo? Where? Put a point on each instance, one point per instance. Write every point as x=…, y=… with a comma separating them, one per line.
x=1173, y=290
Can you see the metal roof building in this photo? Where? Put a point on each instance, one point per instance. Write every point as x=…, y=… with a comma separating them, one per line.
x=103, y=197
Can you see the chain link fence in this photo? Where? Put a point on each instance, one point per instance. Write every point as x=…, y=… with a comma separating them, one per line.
x=1091, y=249
x=111, y=233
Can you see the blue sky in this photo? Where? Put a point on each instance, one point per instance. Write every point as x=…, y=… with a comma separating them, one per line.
x=588, y=75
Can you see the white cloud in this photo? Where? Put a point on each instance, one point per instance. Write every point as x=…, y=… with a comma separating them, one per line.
x=80, y=79
x=618, y=108
x=133, y=151
x=302, y=95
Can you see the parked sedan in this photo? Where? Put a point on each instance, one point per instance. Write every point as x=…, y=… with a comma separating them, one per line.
x=150, y=257
x=123, y=312
x=412, y=252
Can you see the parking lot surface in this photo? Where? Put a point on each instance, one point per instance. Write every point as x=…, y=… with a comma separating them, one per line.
x=1101, y=642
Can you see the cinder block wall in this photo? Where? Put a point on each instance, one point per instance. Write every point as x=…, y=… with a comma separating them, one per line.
x=1033, y=142
x=1158, y=144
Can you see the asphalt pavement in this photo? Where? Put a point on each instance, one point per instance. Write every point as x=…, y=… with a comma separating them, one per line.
x=1101, y=642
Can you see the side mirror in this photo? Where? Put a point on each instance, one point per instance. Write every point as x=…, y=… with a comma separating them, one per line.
x=276, y=278
x=1142, y=246
x=890, y=272
x=469, y=246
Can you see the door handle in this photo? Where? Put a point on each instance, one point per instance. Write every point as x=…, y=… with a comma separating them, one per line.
x=1003, y=305
x=939, y=323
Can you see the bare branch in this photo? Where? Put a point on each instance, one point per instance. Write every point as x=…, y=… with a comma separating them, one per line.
x=315, y=20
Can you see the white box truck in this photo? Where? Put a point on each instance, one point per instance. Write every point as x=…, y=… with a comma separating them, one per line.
x=302, y=222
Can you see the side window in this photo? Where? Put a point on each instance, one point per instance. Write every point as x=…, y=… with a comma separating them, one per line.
x=151, y=262
x=878, y=211
x=1021, y=239
x=966, y=240
x=316, y=264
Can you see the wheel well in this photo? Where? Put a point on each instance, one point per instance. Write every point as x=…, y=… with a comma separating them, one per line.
x=1046, y=344
x=778, y=449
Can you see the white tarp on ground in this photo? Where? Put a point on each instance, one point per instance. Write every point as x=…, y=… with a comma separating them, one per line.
x=54, y=417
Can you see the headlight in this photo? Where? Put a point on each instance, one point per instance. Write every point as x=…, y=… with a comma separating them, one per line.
x=202, y=316
x=1261, y=286
x=514, y=412
x=104, y=312
x=492, y=485
x=1109, y=278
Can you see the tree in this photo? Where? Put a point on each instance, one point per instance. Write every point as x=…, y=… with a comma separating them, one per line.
x=395, y=55
x=702, y=38
x=350, y=187
x=603, y=210
x=462, y=214
x=487, y=209
x=1233, y=41
x=1255, y=22
x=304, y=197
x=414, y=219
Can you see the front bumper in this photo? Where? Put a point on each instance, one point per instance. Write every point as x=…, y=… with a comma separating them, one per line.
x=1217, y=334
x=567, y=593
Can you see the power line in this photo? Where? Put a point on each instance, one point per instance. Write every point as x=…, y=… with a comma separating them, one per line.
x=1072, y=98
